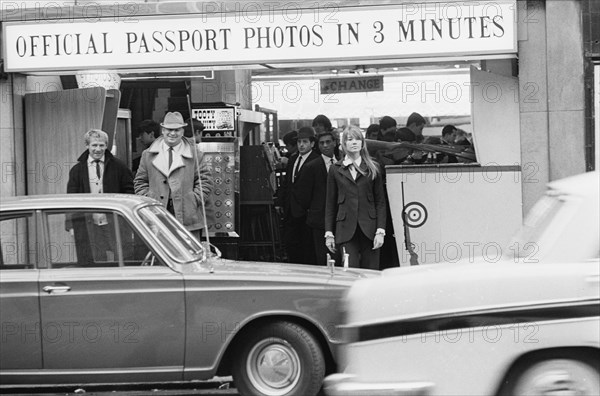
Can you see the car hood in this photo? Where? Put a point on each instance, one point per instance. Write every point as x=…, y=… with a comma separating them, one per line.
x=438, y=289
x=282, y=272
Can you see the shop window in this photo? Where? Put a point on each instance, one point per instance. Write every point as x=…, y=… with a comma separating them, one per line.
x=17, y=241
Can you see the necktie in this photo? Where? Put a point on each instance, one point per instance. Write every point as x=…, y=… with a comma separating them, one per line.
x=170, y=157
x=98, y=171
x=297, y=168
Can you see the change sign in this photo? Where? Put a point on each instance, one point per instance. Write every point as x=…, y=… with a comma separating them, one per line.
x=352, y=84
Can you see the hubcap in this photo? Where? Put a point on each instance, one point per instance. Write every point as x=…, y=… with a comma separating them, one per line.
x=273, y=367
x=557, y=383
x=559, y=377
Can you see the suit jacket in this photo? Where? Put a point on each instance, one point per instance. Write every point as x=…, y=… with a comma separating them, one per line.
x=296, y=191
x=117, y=177
x=353, y=203
x=187, y=186
x=316, y=193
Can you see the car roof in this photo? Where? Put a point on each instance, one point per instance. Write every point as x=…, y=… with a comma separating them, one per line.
x=55, y=201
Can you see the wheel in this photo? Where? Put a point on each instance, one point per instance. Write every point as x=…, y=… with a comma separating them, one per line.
x=279, y=359
x=560, y=376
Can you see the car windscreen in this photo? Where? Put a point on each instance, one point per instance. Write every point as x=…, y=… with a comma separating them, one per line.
x=527, y=242
x=176, y=240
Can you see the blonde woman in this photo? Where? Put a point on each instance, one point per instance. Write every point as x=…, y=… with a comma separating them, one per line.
x=355, y=210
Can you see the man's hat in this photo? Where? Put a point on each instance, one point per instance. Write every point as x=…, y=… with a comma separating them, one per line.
x=173, y=120
x=290, y=138
x=306, y=132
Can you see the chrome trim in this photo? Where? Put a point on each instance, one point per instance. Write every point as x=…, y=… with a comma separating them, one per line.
x=53, y=372
x=346, y=385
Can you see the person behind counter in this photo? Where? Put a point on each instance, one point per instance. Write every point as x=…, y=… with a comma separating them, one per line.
x=355, y=194
x=172, y=172
x=373, y=132
x=388, y=127
x=148, y=131
x=416, y=123
x=198, y=130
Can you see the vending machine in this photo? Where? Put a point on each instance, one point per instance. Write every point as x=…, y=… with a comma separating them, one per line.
x=218, y=121
x=220, y=146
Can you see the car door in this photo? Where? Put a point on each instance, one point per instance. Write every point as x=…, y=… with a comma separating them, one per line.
x=106, y=314
x=20, y=344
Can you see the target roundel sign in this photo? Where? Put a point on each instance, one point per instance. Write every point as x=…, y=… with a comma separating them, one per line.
x=414, y=214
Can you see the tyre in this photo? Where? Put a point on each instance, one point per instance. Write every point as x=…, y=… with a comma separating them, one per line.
x=559, y=376
x=279, y=359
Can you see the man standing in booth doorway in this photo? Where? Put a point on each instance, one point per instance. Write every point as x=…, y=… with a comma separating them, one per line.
x=172, y=172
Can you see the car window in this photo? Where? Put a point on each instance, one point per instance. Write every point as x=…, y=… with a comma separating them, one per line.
x=17, y=241
x=94, y=239
x=175, y=239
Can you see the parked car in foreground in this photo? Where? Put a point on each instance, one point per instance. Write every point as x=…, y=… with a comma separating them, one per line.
x=526, y=325
x=112, y=289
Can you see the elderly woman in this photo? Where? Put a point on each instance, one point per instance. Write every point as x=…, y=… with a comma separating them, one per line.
x=355, y=211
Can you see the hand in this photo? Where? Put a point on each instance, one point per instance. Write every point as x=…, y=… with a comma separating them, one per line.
x=330, y=243
x=377, y=241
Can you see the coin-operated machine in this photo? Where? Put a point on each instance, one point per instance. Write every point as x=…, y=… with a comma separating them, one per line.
x=218, y=121
x=221, y=155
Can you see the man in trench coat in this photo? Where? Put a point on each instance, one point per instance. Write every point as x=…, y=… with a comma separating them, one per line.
x=172, y=172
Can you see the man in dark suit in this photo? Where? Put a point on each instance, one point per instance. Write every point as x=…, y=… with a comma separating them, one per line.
x=298, y=236
x=316, y=175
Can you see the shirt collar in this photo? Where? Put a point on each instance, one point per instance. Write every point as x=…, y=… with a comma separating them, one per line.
x=304, y=156
x=348, y=161
x=327, y=159
x=91, y=160
x=176, y=149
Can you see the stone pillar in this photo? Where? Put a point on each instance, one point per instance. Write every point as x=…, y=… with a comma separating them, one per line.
x=533, y=103
x=552, y=106
x=12, y=136
x=566, y=90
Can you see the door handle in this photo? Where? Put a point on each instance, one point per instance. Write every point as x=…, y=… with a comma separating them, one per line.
x=56, y=289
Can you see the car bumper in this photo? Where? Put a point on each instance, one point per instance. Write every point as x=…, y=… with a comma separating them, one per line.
x=347, y=385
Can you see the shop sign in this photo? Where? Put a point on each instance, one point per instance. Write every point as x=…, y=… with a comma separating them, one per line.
x=253, y=34
x=353, y=84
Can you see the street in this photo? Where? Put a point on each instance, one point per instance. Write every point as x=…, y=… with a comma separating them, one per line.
x=215, y=387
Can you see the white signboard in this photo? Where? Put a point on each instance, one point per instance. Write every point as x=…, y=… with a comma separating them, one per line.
x=263, y=36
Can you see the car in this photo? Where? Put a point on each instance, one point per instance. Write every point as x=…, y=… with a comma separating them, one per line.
x=526, y=324
x=101, y=288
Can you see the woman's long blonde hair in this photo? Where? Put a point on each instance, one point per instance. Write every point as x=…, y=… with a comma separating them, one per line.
x=356, y=132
